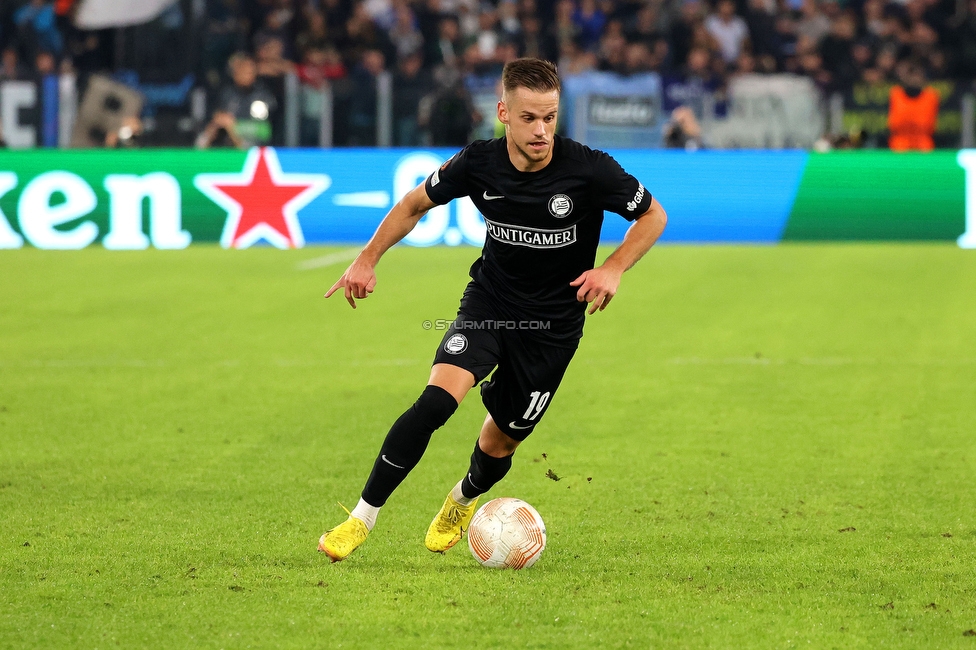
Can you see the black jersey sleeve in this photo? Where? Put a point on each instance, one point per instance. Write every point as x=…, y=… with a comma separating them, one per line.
x=451, y=180
x=619, y=191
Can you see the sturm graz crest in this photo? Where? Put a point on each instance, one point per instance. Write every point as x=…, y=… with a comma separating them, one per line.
x=560, y=206
x=457, y=344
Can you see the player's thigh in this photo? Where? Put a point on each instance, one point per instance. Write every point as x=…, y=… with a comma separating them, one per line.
x=522, y=388
x=465, y=356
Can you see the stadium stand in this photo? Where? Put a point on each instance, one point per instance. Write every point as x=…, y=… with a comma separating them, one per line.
x=341, y=66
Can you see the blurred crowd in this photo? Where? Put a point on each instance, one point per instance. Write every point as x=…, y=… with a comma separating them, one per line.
x=241, y=49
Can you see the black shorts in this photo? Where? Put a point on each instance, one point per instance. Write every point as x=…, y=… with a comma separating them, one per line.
x=527, y=373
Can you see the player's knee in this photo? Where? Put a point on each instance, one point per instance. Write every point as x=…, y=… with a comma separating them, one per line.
x=498, y=446
x=435, y=406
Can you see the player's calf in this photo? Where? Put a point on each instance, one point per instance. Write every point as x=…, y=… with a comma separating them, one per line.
x=406, y=443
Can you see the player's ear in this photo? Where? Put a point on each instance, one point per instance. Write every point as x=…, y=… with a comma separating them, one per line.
x=502, y=112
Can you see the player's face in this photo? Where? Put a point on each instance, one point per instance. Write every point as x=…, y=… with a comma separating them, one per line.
x=529, y=117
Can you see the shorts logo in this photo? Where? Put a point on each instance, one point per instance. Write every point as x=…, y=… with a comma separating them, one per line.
x=560, y=206
x=632, y=205
x=457, y=344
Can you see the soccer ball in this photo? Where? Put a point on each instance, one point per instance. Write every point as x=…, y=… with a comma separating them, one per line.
x=507, y=533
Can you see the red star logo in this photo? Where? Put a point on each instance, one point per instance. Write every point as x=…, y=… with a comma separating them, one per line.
x=262, y=202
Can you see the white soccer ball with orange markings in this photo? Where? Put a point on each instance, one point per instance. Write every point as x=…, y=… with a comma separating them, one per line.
x=507, y=533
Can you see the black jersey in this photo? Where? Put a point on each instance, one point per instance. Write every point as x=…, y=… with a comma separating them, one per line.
x=543, y=226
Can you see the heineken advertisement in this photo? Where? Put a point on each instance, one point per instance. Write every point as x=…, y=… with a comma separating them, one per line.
x=289, y=198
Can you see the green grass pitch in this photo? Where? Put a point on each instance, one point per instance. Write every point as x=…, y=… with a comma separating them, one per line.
x=758, y=447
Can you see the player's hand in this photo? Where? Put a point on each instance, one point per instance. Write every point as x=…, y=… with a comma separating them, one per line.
x=597, y=286
x=358, y=282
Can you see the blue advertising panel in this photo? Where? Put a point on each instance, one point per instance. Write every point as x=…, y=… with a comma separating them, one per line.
x=294, y=197
x=709, y=196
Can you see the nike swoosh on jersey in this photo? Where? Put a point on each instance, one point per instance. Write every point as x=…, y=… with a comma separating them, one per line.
x=491, y=198
x=388, y=462
x=513, y=426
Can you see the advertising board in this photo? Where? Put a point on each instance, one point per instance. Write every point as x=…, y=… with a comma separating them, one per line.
x=168, y=199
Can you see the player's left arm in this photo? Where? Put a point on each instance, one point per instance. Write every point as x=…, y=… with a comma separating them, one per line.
x=598, y=286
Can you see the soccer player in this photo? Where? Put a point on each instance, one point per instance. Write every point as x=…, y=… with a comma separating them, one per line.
x=543, y=198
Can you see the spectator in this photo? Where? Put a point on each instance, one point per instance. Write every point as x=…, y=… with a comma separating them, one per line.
x=10, y=67
x=638, y=59
x=244, y=109
x=224, y=34
x=270, y=57
x=885, y=63
x=381, y=12
x=256, y=14
x=963, y=43
x=661, y=53
x=811, y=65
x=745, y=64
x=786, y=40
x=702, y=38
x=363, y=35
x=913, y=111
x=487, y=40
x=613, y=44
x=924, y=41
x=272, y=68
x=404, y=33
x=894, y=32
x=37, y=26
x=563, y=29
x=278, y=24
x=315, y=36
x=871, y=76
x=528, y=8
x=589, y=20
x=728, y=29
x=874, y=24
x=682, y=30
x=509, y=25
x=446, y=50
x=761, y=20
x=411, y=84
x=645, y=26
x=337, y=12
x=44, y=64
x=837, y=51
x=362, y=104
x=449, y=114
x=813, y=24
x=533, y=42
x=683, y=131
x=575, y=60
x=468, y=21
x=862, y=55
x=319, y=66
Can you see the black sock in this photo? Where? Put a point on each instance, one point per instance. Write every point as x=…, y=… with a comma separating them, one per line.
x=484, y=472
x=406, y=442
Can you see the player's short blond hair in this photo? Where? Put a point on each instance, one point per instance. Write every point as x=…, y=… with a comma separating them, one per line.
x=534, y=74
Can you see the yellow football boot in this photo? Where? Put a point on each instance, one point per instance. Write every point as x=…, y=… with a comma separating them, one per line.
x=449, y=525
x=345, y=538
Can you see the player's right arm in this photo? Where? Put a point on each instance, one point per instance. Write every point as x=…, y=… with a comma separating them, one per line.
x=360, y=278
